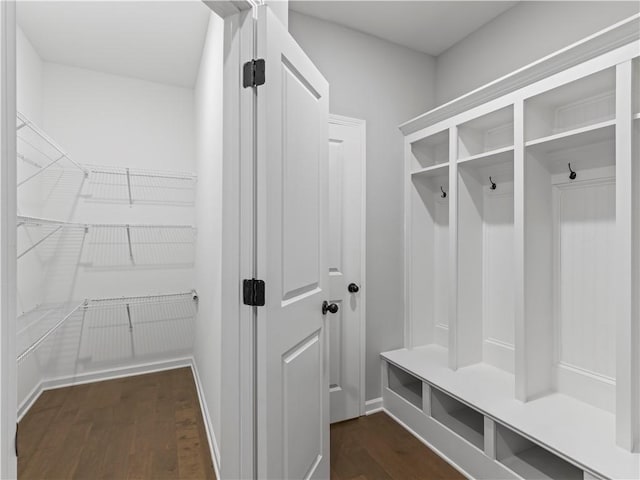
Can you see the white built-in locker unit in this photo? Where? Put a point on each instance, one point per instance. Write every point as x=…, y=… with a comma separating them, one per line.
x=106, y=196
x=522, y=322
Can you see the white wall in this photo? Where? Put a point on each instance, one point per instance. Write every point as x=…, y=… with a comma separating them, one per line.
x=118, y=121
x=29, y=281
x=209, y=118
x=281, y=10
x=384, y=84
x=524, y=33
x=29, y=78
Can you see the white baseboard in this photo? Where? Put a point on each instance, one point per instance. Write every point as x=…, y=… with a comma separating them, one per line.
x=98, y=376
x=208, y=425
x=373, y=406
x=431, y=447
x=29, y=400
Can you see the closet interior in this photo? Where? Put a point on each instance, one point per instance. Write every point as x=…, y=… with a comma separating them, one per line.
x=108, y=189
x=522, y=217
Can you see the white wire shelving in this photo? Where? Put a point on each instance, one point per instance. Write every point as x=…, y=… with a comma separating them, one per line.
x=134, y=185
x=140, y=186
x=105, y=183
x=143, y=244
x=39, y=150
x=54, y=316
x=158, y=319
x=181, y=304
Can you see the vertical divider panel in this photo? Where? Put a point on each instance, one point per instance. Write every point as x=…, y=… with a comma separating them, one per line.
x=469, y=206
x=627, y=175
x=408, y=325
x=426, y=398
x=489, y=438
x=454, y=331
x=536, y=317
x=385, y=375
x=519, y=263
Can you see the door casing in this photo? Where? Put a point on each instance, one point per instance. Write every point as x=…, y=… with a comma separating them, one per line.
x=8, y=257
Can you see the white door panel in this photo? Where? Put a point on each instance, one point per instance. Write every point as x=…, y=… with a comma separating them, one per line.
x=292, y=162
x=346, y=253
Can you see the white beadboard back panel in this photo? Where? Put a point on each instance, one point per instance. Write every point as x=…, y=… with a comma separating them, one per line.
x=585, y=224
x=422, y=265
x=429, y=268
x=586, y=101
x=498, y=277
x=441, y=272
x=598, y=108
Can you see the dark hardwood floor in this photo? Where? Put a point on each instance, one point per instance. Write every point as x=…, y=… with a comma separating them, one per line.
x=143, y=427
x=150, y=427
x=377, y=448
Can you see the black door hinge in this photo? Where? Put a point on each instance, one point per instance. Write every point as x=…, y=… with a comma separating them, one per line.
x=253, y=73
x=16, y=439
x=253, y=292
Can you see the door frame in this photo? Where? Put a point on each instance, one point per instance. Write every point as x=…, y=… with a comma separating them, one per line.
x=361, y=125
x=237, y=428
x=8, y=260
x=237, y=389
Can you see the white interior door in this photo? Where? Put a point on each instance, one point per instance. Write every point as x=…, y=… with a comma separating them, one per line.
x=292, y=364
x=346, y=266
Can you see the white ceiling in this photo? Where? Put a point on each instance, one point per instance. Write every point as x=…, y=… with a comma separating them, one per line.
x=155, y=41
x=427, y=26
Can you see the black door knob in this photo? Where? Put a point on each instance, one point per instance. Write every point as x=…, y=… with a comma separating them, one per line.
x=329, y=307
x=353, y=288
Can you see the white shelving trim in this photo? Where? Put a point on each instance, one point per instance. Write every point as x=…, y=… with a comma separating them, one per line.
x=503, y=152
x=575, y=431
x=432, y=171
x=576, y=137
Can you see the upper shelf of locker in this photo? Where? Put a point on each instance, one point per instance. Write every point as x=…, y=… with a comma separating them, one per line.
x=615, y=36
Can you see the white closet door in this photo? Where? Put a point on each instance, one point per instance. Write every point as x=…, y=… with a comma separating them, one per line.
x=292, y=251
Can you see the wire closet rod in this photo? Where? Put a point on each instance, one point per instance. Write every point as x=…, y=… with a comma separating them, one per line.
x=139, y=172
x=141, y=300
x=113, y=302
x=37, y=221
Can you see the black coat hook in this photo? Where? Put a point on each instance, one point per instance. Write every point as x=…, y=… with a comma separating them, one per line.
x=493, y=184
x=444, y=194
x=573, y=174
